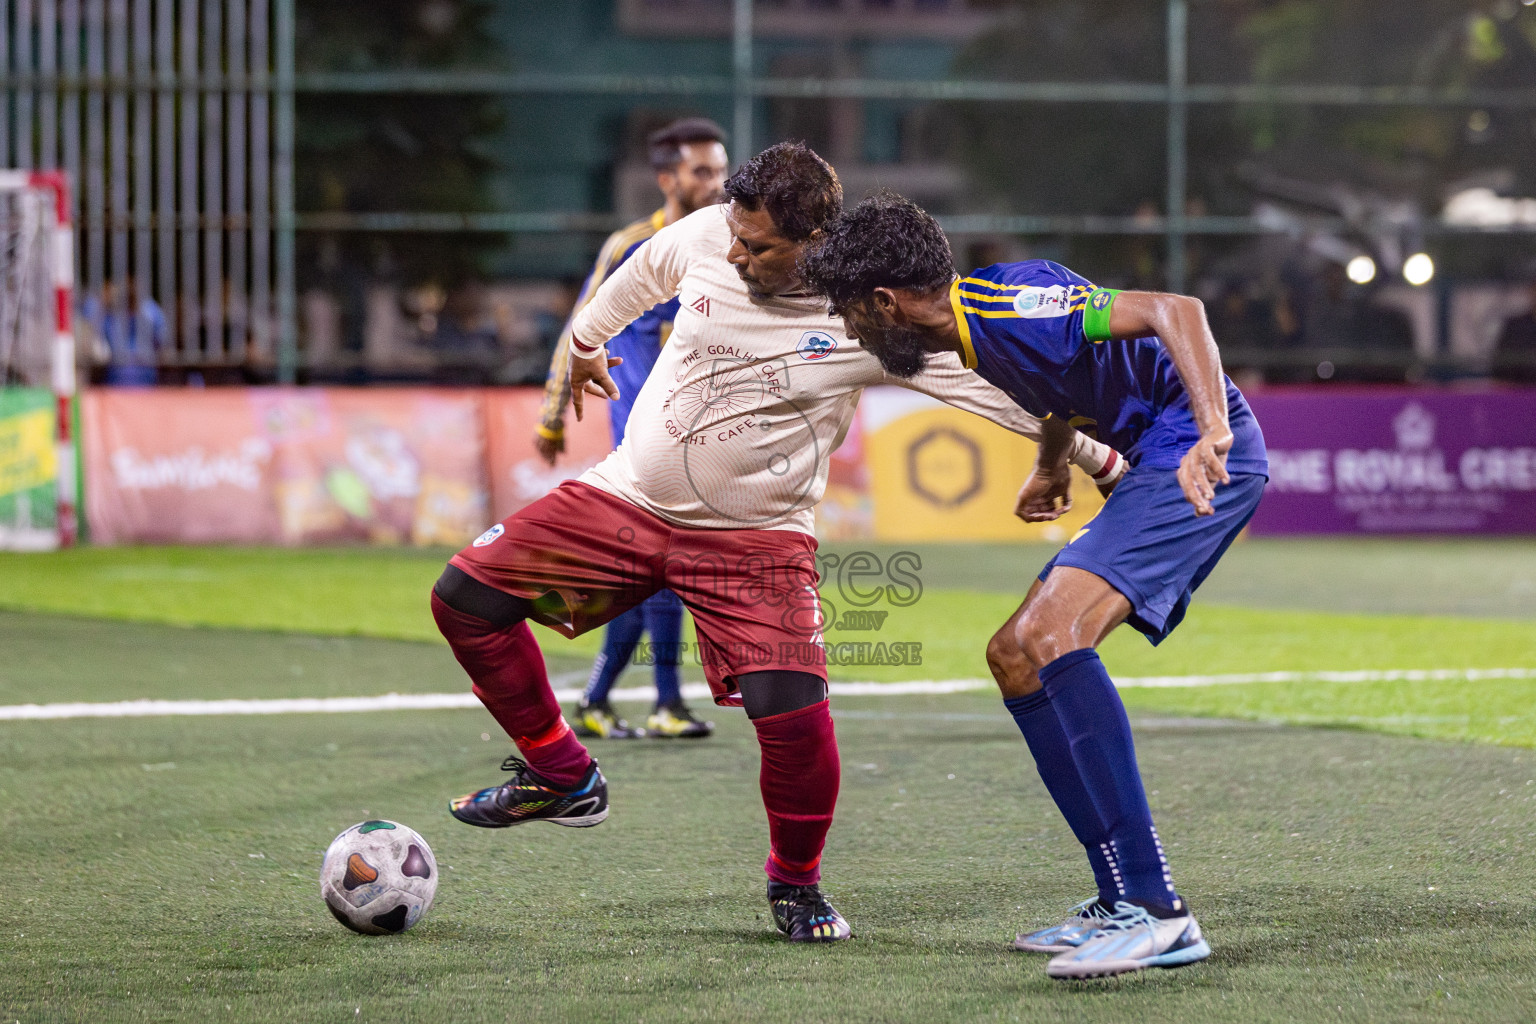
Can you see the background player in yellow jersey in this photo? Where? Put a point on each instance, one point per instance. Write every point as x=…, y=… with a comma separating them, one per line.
x=690, y=163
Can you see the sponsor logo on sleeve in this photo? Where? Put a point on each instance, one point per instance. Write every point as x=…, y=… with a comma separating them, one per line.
x=816, y=345
x=489, y=536
x=1101, y=299
x=1040, y=303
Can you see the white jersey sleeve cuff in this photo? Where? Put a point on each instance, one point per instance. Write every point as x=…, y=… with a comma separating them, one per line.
x=582, y=349
x=1099, y=461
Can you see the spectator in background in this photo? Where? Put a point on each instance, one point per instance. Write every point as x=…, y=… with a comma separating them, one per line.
x=1244, y=320
x=1514, y=354
x=1340, y=317
x=549, y=326
x=133, y=331
x=465, y=337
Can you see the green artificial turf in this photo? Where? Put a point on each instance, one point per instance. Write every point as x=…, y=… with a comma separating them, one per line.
x=382, y=591
x=1485, y=711
x=347, y=593
x=165, y=869
x=1479, y=577
x=334, y=591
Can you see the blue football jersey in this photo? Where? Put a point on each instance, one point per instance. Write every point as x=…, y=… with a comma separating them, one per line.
x=1022, y=328
x=638, y=345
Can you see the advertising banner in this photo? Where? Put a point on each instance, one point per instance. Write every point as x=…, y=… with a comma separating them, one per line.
x=847, y=511
x=1398, y=461
x=289, y=466
x=518, y=475
x=395, y=466
x=937, y=473
x=436, y=466
x=177, y=467
x=28, y=469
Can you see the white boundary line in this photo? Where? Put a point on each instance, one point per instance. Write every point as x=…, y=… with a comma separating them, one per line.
x=694, y=691
x=1399, y=675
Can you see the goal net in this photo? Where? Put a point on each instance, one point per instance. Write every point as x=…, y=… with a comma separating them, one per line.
x=37, y=363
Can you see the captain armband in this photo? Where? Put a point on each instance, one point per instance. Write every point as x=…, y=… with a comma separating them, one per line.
x=1096, y=309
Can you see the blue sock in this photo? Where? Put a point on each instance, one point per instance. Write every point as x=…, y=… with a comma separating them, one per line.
x=663, y=613
x=1093, y=720
x=619, y=642
x=1053, y=759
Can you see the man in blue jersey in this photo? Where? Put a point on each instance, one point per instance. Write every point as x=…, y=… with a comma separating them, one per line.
x=690, y=163
x=1140, y=372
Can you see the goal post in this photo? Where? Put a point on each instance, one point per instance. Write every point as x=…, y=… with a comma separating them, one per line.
x=37, y=362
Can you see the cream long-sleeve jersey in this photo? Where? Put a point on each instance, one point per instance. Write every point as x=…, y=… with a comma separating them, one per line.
x=750, y=395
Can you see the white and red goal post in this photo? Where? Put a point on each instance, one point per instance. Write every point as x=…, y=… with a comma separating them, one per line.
x=37, y=356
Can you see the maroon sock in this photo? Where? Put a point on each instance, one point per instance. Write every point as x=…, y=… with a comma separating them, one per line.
x=508, y=671
x=800, y=778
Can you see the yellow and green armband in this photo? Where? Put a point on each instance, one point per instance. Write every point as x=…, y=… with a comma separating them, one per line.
x=550, y=433
x=1096, y=313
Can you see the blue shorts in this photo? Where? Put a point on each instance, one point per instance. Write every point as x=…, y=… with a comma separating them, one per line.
x=1148, y=544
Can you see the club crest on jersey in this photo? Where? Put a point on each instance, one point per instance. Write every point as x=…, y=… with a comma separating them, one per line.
x=489, y=536
x=816, y=345
x=1037, y=303
x=700, y=305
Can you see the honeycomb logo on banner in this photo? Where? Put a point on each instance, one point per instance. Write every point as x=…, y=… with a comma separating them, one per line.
x=936, y=473
x=945, y=467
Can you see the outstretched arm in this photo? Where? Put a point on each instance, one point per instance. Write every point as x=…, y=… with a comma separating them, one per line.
x=1179, y=321
x=945, y=379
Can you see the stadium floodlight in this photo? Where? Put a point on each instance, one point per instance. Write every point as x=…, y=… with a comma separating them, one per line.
x=1419, y=269
x=1361, y=269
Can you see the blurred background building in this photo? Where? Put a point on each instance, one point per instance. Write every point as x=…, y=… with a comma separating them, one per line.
x=411, y=190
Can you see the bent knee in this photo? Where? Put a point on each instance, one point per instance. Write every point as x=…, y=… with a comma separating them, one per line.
x=1003, y=654
x=1010, y=667
x=779, y=691
x=462, y=593
x=1042, y=641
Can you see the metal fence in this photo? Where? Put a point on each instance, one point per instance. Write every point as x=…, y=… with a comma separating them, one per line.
x=177, y=119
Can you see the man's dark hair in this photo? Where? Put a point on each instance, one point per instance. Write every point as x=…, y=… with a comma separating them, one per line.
x=887, y=241
x=665, y=145
x=799, y=189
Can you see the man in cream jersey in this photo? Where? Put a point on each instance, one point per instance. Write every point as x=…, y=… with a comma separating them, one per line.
x=710, y=495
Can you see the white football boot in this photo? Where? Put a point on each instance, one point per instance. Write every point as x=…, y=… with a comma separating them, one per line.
x=1133, y=940
x=1081, y=923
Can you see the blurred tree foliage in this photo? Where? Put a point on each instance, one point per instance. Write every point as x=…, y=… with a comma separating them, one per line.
x=393, y=152
x=1416, y=153
x=1110, y=158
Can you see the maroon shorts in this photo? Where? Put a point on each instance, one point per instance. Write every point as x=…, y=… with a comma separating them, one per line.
x=583, y=557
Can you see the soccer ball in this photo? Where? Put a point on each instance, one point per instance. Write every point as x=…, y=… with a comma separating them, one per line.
x=379, y=877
